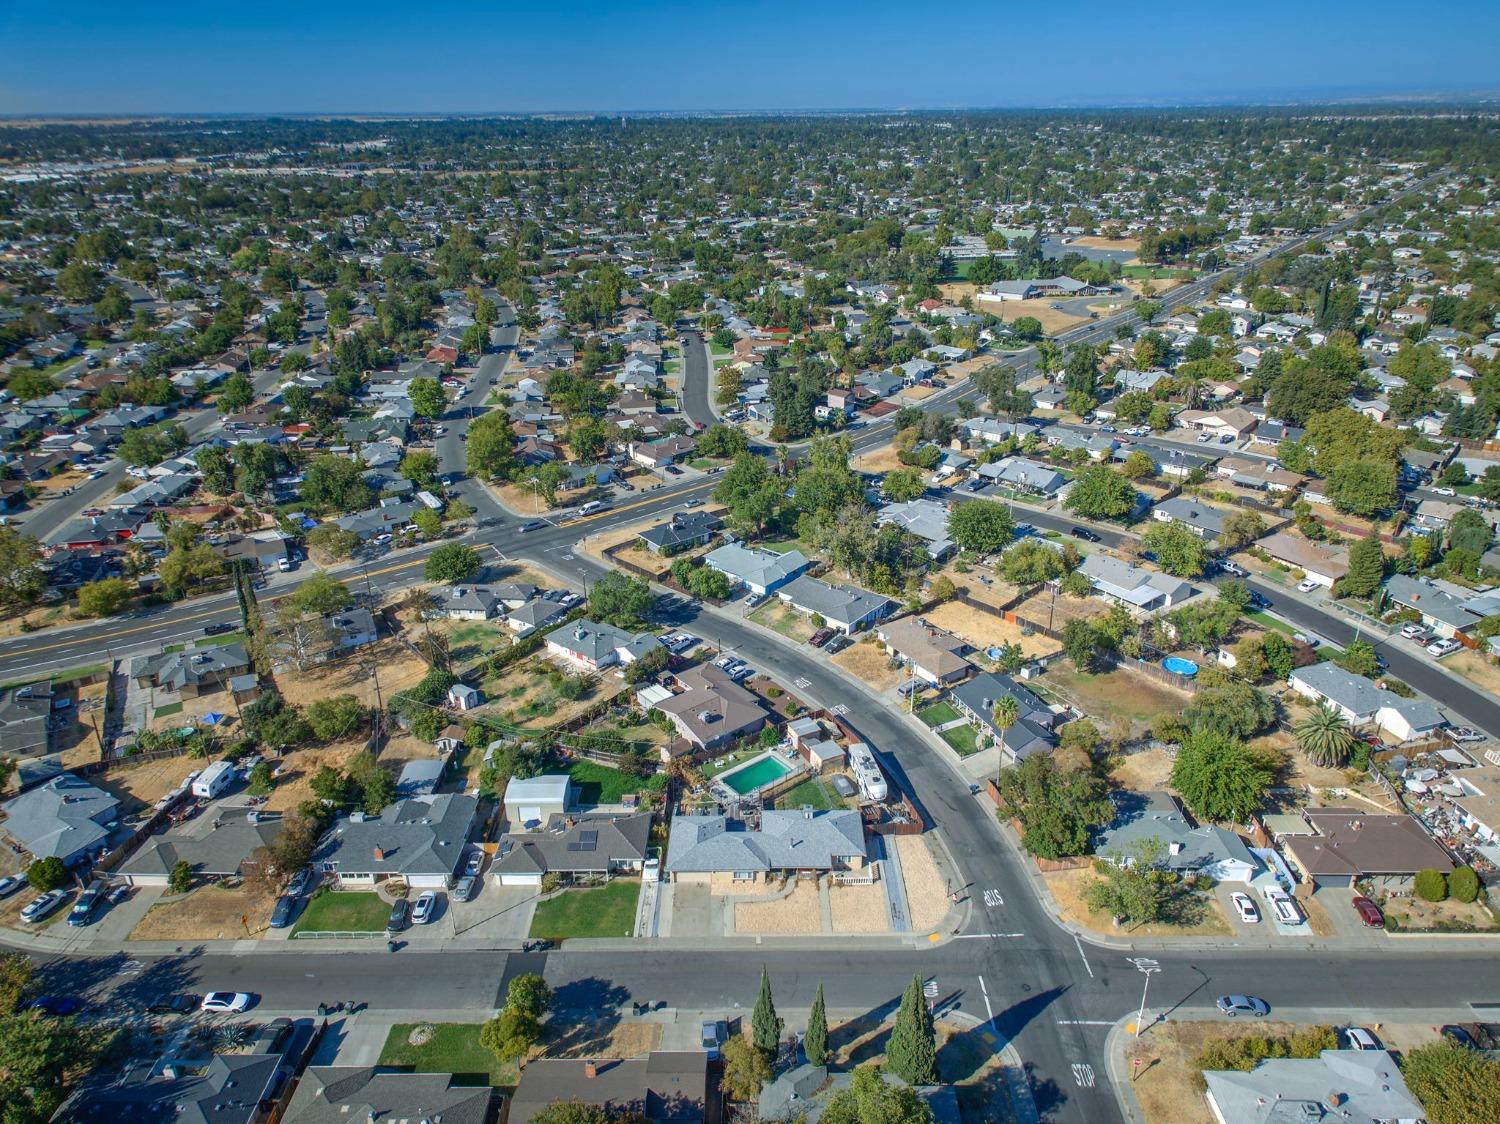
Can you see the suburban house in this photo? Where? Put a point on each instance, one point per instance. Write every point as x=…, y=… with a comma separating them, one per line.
x=759, y=571
x=933, y=655
x=845, y=608
x=1336, y=1085
x=195, y=672
x=419, y=840
x=65, y=817
x=659, y=454
x=467, y=602
x=685, y=530
x=597, y=645
x=1128, y=379
x=1363, y=703
x=664, y=1087
x=1445, y=614
x=1204, y=521
x=532, y=801
x=1262, y=476
x=325, y=1093
x=25, y=714
x=1137, y=588
x=1186, y=850
x=1350, y=845
x=712, y=708
x=785, y=842
x=927, y=519
x=534, y=614
x=1477, y=801
x=1323, y=564
x=1235, y=422
x=1038, y=288
x=992, y=431
x=1024, y=475
x=1033, y=730
x=214, y=847
x=591, y=846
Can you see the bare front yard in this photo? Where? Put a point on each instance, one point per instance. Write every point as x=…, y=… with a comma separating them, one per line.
x=208, y=913
x=1067, y=887
x=870, y=664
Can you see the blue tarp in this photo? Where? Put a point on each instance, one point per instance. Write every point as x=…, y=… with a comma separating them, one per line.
x=211, y=719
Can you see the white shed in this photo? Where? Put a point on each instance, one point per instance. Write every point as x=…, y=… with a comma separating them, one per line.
x=530, y=800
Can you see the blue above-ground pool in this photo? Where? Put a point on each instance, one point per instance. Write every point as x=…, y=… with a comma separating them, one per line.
x=993, y=653
x=1179, y=666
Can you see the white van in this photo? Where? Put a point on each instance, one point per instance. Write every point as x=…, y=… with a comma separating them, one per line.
x=213, y=781
x=591, y=507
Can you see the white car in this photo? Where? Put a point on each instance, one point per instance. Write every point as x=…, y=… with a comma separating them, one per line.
x=10, y=885
x=1282, y=907
x=1360, y=1039
x=1411, y=631
x=1443, y=647
x=381, y=540
x=225, y=1002
x=1444, y=492
x=1245, y=908
x=423, y=909
x=38, y=908
x=1307, y=585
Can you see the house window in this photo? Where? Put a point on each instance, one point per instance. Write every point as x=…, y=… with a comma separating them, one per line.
x=744, y=876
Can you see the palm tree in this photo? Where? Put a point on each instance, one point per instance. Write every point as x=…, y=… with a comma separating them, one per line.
x=1324, y=736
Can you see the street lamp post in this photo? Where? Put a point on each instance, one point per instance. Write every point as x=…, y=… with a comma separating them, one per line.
x=1147, y=972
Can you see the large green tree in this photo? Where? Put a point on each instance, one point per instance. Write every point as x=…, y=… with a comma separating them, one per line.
x=1323, y=734
x=869, y=1100
x=980, y=526
x=1220, y=779
x=911, y=1053
x=1178, y=551
x=452, y=562
x=1057, y=808
x=815, y=1041
x=1366, y=568
x=765, y=1024
x=620, y=600
x=1455, y=1084
x=489, y=452
x=1098, y=492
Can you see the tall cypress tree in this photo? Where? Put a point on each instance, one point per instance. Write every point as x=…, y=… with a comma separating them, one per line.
x=912, y=1053
x=815, y=1041
x=1366, y=568
x=765, y=1026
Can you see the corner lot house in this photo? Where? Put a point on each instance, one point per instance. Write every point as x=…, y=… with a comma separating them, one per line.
x=597, y=646
x=66, y=817
x=1186, y=850
x=786, y=842
x=1350, y=844
x=420, y=841
x=594, y=846
x=1367, y=1083
x=759, y=571
x=712, y=708
x=683, y=531
x=846, y=608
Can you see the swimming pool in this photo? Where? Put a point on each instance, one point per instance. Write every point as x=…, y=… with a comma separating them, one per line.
x=756, y=775
x=1179, y=666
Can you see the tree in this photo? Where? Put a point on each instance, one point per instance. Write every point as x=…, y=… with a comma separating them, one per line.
x=765, y=1024
x=572, y=1111
x=260, y=780
x=1219, y=778
x=903, y=485
x=1360, y=659
x=489, y=451
x=428, y=399
x=528, y=994
x=38, y=1057
x=421, y=467
x=980, y=526
x=869, y=1100
x=620, y=600
x=1178, y=551
x=186, y=568
x=1324, y=736
x=105, y=597
x=332, y=541
x=332, y=483
x=747, y=490
x=320, y=594
x=1234, y=710
x=1240, y=530
x=180, y=880
x=427, y=522
x=1086, y=644
x=1463, y=884
x=1133, y=887
x=330, y=786
x=1139, y=465
x=1031, y=562
x=80, y=281
x=1430, y=885
x=452, y=562
x=217, y=467
x=1366, y=568
x=815, y=1041
x=1455, y=1084
x=1004, y=713
x=236, y=393
x=1098, y=492
x=911, y=1053
x=1057, y=808
x=336, y=717
x=1279, y=655
x=510, y=1034
x=29, y=384
x=1468, y=531
x=47, y=874
x=1364, y=486
x=15, y=980
x=293, y=847
x=746, y=1069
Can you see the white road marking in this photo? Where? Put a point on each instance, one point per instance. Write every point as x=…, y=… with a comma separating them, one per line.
x=930, y=988
x=1082, y=956
x=985, y=992
x=985, y=936
x=803, y=684
x=1083, y=1075
x=1142, y=962
x=992, y=899
x=841, y=710
x=1085, y=1022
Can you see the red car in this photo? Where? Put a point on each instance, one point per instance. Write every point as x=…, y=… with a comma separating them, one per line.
x=821, y=637
x=1369, y=913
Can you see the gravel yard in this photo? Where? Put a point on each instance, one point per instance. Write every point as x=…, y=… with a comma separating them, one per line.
x=926, y=899
x=858, y=909
x=797, y=915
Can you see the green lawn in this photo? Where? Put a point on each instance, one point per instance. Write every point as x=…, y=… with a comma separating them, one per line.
x=453, y=1048
x=1154, y=272
x=220, y=641
x=1265, y=620
x=962, y=738
x=60, y=676
x=168, y=710
x=343, y=911
x=812, y=791
x=937, y=714
x=607, y=911
x=599, y=784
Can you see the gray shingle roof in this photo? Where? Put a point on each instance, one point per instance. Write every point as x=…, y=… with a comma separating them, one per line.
x=64, y=817
x=787, y=840
x=424, y=835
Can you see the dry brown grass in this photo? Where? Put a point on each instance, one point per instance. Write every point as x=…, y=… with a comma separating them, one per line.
x=926, y=896
x=1052, y=320
x=883, y=459
x=858, y=909
x=1477, y=669
x=298, y=768
x=140, y=786
x=610, y=1040
x=1413, y=913
x=1098, y=242
x=1167, y=1083
x=208, y=913
x=397, y=667
x=983, y=630
x=1067, y=887
x=869, y=663
x=917, y=393
x=1143, y=772
x=955, y=291
x=797, y=914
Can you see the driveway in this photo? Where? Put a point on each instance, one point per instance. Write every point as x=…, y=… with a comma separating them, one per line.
x=495, y=912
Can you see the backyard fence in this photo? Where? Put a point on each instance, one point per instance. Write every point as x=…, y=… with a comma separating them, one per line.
x=613, y=554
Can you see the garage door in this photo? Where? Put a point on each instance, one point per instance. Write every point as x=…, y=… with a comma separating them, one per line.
x=529, y=815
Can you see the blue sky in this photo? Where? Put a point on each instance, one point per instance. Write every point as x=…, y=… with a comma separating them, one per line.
x=329, y=56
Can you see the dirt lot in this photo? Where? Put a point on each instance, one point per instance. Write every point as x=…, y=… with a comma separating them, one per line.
x=298, y=768
x=1041, y=607
x=982, y=630
x=956, y=291
x=90, y=707
x=1121, y=701
x=572, y=1039
x=996, y=591
x=1413, y=913
x=1475, y=668
x=869, y=663
x=1143, y=772
x=139, y=786
x=526, y=696
x=208, y=913
x=926, y=901
x=1097, y=242
x=11, y=625
x=1167, y=1084
x=883, y=459
x=1053, y=321
x=398, y=668
x=785, y=620
x=1067, y=888
x=798, y=914
x=858, y=909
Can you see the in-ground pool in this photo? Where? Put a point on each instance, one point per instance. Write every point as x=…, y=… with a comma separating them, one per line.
x=1179, y=666
x=756, y=775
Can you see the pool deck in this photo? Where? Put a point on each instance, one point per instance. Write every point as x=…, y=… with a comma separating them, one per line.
x=772, y=755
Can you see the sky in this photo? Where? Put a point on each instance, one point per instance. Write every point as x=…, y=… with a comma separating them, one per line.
x=456, y=56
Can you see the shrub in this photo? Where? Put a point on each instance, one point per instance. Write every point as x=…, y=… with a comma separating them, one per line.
x=1430, y=885
x=46, y=874
x=1463, y=884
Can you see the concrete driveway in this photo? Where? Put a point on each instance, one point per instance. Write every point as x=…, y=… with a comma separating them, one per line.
x=495, y=912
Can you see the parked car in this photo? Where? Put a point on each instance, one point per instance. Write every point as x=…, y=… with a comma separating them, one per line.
x=474, y=862
x=1445, y=492
x=1205, y=436
x=96, y=474
x=300, y=881
x=464, y=888
x=1369, y=912
x=1084, y=533
x=425, y=909
x=712, y=1035
x=1235, y=1005
x=10, y=885
x=58, y=1006
x=821, y=637
x=1443, y=647
x=1245, y=908
x=1307, y=585
x=41, y=906
x=83, y=909
x=1464, y=734
x=118, y=895
x=381, y=540
x=1421, y=639
x=225, y=1002
x=400, y=916
x=1234, y=568
x=1360, y=1039
x=1282, y=907
x=837, y=644
x=286, y=909
x=180, y=1004
x=1412, y=631
x=285, y=565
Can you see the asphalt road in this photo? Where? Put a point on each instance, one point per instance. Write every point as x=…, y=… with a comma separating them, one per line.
x=696, y=381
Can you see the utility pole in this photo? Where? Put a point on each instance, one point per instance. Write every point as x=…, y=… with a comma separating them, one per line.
x=1147, y=972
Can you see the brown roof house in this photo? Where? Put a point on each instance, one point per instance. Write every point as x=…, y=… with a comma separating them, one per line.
x=712, y=708
x=664, y=1087
x=932, y=653
x=1324, y=564
x=1352, y=845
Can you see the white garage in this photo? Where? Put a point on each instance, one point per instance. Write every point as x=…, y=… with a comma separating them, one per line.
x=531, y=801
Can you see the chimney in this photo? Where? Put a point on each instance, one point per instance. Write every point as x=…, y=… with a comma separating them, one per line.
x=380, y=854
x=590, y=1069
